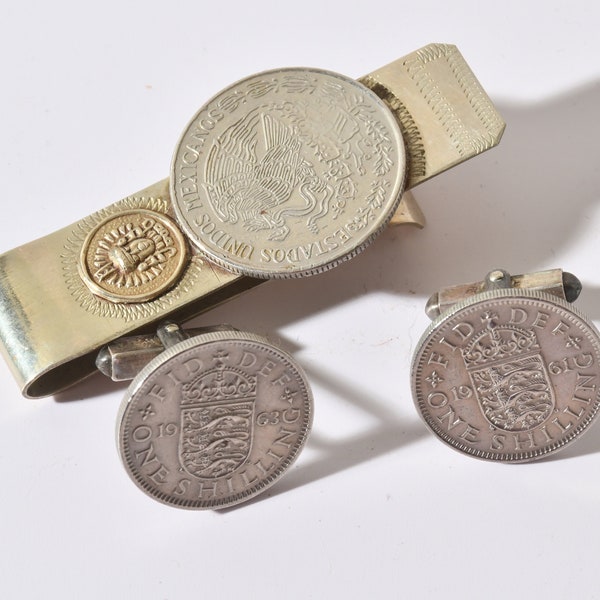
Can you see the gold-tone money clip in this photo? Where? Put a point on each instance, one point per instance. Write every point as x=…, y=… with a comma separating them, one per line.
x=52, y=325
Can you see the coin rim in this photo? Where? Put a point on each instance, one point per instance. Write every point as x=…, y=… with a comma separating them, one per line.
x=99, y=291
x=508, y=458
x=168, y=354
x=291, y=272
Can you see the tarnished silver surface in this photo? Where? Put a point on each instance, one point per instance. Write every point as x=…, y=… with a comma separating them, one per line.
x=508, y=375
x=214, y=420
x=288, y=172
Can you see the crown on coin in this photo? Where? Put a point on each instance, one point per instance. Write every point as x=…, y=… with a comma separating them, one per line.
x=221, y=383
x=498, y=343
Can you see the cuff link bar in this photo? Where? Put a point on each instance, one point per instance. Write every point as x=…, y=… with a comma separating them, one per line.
x=284, y=174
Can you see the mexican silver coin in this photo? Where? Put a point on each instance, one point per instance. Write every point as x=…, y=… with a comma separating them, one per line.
x=508, y=375
x=214, y=420
x=287, y=173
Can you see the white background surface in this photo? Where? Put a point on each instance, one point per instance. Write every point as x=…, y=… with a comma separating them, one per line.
x=93, y=100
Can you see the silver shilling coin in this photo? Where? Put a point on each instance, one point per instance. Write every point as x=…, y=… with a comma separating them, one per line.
x=509, y=375
x=214, y=420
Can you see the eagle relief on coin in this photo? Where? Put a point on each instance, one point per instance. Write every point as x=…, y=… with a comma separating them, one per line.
x=214, y=420
x=508, y=375
x=287, y=173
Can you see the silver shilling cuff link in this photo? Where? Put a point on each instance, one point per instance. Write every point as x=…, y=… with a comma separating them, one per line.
x=284, y=174
x=213, y=416
x=508, y=370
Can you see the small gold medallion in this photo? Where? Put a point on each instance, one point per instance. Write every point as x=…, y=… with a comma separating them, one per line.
x=134, y=256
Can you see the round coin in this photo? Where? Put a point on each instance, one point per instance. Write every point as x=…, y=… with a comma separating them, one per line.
x=133, y=256
x=509, y=375
x=288, y=173
x=214, y=420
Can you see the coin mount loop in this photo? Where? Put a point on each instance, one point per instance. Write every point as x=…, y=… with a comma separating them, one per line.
x=214, y=420
x=288, y=173
x=508, y=375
